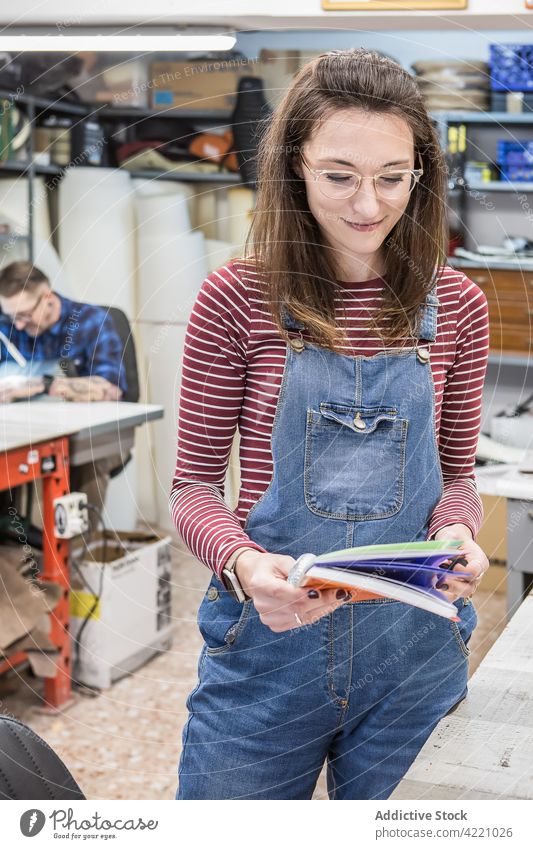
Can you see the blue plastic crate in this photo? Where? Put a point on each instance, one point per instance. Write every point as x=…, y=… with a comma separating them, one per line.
x=517, y=173
x=511, y=67
x=518, y=152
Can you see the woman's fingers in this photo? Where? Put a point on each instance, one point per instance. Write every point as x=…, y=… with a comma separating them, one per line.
x=325, y=604
x=289, y=612
x=473, y=563
x=281, y=606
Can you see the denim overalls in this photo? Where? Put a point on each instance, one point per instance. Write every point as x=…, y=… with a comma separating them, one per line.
x=355, y=463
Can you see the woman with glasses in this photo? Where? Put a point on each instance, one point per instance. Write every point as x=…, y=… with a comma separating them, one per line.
x=343, y=309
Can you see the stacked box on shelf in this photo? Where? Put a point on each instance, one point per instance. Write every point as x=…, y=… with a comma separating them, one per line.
x=511, y=67
x=515, y=160
x=511, y=101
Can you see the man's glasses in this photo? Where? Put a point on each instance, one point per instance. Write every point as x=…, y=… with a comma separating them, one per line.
x=388, y=185
x=26, y=316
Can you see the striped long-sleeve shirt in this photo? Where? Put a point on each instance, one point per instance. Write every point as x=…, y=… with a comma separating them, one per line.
x=232, y=369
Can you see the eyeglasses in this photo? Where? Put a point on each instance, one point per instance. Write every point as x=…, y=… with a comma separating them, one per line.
x=388, y=185
x=27, y=316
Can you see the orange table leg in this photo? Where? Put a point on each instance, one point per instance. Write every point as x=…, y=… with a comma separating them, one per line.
x=50, y=462
x=57, y=690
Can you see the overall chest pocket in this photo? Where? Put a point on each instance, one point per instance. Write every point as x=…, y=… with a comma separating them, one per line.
x=354, y=461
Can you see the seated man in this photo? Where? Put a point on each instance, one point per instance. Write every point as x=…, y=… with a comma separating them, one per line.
x=43, y=325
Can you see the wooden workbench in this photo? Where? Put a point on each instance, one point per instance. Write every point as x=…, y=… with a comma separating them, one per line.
x=484, y=749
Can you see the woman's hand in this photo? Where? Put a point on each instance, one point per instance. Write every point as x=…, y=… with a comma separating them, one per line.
x=263, y=577
x=477, y=564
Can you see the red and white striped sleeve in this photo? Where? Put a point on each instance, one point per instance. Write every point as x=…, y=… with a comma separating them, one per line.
x=461, y=414
x=211, y=395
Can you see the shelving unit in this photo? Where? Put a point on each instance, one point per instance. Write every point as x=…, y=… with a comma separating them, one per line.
x=493, y=265
x=114, y=112
x=508, y=285
x=22, y=166
x=500, y=186
x=184, y=177
x=444, y=119
x=36, y=107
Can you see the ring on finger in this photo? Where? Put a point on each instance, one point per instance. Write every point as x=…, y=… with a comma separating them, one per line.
x=299, y=621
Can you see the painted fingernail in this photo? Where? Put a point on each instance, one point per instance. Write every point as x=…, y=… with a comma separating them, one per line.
x=313, y=594
x=442, y=586
x=342, y=594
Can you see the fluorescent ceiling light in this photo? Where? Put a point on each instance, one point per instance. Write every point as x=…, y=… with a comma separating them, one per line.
x=117, y=43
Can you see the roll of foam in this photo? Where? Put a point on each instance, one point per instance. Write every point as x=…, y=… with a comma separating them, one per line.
x=45, y=258
x=162, y=215
x=241, y=203
x=14, y=205
x=97, y=235
x=232, y=482
x=159, y=188
x=162, y=347
x=218, y=253
x=223, y=228
x=162, y=368
x=121, y=509
x=171, y=270
x=207, y=213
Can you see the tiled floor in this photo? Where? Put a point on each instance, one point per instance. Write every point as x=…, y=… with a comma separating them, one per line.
x=125, y=743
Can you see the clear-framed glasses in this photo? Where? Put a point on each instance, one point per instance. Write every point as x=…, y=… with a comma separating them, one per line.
x=389, y=184
x=27, y=316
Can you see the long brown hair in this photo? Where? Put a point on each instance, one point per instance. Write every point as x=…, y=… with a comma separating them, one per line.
x=285, y=239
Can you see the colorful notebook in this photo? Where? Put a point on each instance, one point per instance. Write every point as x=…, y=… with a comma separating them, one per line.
x=407, y=572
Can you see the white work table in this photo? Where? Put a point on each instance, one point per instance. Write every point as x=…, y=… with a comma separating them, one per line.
x=93, y=427
x=507, y=481
x=484, y=748
x=39, y=441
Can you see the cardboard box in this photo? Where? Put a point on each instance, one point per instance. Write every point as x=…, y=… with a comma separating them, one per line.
x=277, y=69
x=493, y=534
x=196, y=86
x=493, y=540
x=108, y=78
x=122, y=583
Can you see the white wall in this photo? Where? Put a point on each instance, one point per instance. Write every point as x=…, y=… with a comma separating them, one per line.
x=406, y=46
x=251, y=13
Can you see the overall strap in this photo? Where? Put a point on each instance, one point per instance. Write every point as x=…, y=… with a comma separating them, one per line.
x=290, y=323
x=428, y=323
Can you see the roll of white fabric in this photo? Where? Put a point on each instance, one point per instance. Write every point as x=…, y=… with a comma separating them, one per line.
x=45, y=258
x=97, y=235
x=171, y=270
x=121, y=510
x=241, y=202
x=162, y=347
x=162, y=215
x=218, y=253
x=159, y=188
x=207, y=212
x=14, y=205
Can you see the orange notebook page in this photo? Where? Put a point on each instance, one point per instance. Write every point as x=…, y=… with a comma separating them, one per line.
x=357, y=594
